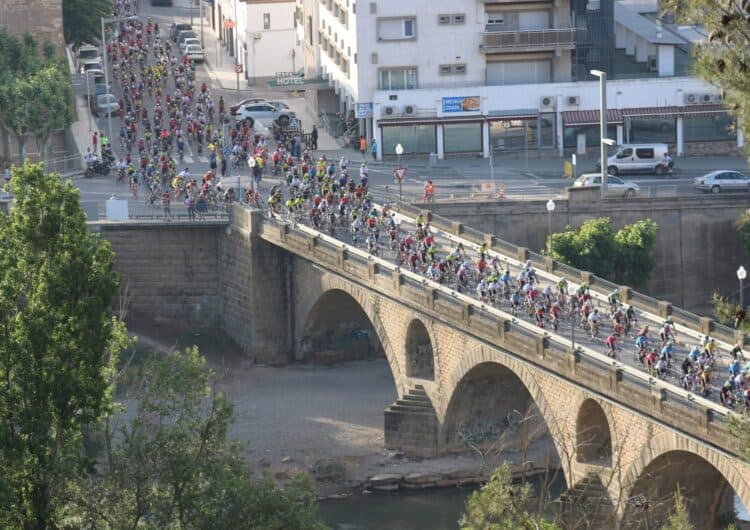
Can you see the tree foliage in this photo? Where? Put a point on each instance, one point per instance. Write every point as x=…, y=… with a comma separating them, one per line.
x=36, y=95
x=82, y=20
x=723, y=59
x=502, y=505
x=679, y=519
x=169, y=464
x=743, y=232
x=57, y=283
x=623, y=256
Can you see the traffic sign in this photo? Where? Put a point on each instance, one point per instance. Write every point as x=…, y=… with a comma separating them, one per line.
x=227, y=151
x=399, y=173
x=294, y=123
x=237, y=68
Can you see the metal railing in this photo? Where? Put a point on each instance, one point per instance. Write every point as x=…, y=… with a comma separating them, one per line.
x=493, y=41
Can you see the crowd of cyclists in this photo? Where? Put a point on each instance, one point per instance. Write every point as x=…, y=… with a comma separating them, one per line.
x=314, y=190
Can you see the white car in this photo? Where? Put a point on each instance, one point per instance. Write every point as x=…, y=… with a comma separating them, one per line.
x=87, y=52
x=616, y=187
x=722, y=180
x=265, y=111
x=261, y=129
x=190, y=41
x=195, y=53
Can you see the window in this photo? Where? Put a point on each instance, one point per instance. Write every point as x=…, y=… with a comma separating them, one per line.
x=625, y=153
x=459, y=68
x=448, y=69
x=644, y=153
x=702, y=128
x=444, y=19
x=398, y=79
x=266, y=20
x=459, y=19
x=397, y=29
x=445, y=69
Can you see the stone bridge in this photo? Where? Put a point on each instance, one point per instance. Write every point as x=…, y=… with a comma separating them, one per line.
x=460, y=368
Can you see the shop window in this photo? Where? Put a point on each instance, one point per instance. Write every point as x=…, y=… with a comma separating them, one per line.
x=415, y=139
x=462, y=137
x=592, y=132
x=716, y=128
x=652, y=130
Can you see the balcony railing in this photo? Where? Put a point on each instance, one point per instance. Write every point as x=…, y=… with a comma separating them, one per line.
x=535, y=39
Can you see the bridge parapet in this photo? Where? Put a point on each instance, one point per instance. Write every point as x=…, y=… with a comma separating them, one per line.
x=637, y=391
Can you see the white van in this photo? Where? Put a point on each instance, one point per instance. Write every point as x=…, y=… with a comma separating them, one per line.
x=638, y=158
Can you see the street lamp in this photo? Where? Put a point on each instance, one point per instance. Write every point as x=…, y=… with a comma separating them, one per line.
x=550, y=209
x=107, y=20
x=603, y=124
x=399, y=151
x=251, y=165
x=741, y=275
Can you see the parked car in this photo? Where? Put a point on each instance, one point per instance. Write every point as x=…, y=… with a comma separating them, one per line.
x=264, y=111
x=97, y=78
x=722, y=180
x=87, y=52
x=184, y=35
x=234, y=108
x=616, y=187
x=161, y=3
x=195, y=53
x=638, y=158
x=280, y=105
x=105, y=103
x=175, y=28
x=260, y=128
x=190, y=40
x=90, y=64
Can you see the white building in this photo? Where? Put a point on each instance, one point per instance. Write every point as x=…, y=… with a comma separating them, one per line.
x=468, y=76
x=260, y=34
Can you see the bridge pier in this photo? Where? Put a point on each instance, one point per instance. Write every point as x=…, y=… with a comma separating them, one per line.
x=256, y=285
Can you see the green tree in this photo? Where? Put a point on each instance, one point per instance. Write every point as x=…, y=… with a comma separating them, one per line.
x=724, y=58
x=634, y=261
x=82, y=20
x=623, y=256
x=169, y=464
x=502, y=505
x=679, y=519
x=36, y=95
x=57, y=282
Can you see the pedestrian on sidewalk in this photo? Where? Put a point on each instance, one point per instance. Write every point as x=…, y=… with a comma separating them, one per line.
x=374, y=149
x=314, y=138
x=362, y=146
x=95, y=140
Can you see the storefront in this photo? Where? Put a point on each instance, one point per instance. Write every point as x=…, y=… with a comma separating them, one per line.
x=521, y=132
x=442, y=137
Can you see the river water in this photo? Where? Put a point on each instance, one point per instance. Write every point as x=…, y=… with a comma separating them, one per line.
x=434, y=509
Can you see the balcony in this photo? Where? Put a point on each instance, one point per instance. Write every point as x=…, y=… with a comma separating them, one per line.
x=528, y=40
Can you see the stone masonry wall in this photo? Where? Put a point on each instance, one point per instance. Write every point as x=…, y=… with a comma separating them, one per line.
x=171, y=272
x=42, y=18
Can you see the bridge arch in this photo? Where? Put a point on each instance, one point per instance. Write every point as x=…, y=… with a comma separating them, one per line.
x=343, y=313
x=593, y=435
x=707, y=480
x=493, y=386
x=419, y=351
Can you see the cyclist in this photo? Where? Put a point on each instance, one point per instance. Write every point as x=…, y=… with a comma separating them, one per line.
x=611, y=342
x=594, y=319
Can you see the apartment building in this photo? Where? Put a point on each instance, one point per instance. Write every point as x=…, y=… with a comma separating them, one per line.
x=475, y=76
x=260, y=34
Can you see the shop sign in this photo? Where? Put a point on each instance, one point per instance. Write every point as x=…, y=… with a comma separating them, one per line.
x=461, y=104
x=289, y=78
x=363, y=110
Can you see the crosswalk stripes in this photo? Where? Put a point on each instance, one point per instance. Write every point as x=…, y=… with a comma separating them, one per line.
x=188, y=159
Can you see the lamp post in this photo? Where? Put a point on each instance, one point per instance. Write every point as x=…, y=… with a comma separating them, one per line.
x=399, y=151
x=603, y=125
x=741, y=275
x=550, y=209
x=106, y=72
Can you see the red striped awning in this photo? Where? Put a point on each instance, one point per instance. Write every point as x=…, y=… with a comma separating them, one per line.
x=674, y=111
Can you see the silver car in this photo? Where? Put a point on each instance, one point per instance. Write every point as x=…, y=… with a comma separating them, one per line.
x=264, y=111
x=722, y=180
x=616, y=187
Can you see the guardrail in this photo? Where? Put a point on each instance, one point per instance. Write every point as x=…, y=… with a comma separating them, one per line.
x=686, y=321
x=493, y=41
x=692, y=415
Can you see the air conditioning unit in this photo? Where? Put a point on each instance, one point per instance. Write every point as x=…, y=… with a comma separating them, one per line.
x=574, y=100
x=716, y=98
x=690, y=99
x=389, y=111
x=707, y=98
x=547, y=102
x=410, y=109
x=653, y=64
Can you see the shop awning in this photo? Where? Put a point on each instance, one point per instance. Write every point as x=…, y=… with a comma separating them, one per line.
x=674, y=111
x=590, y=117
x=502, y=115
